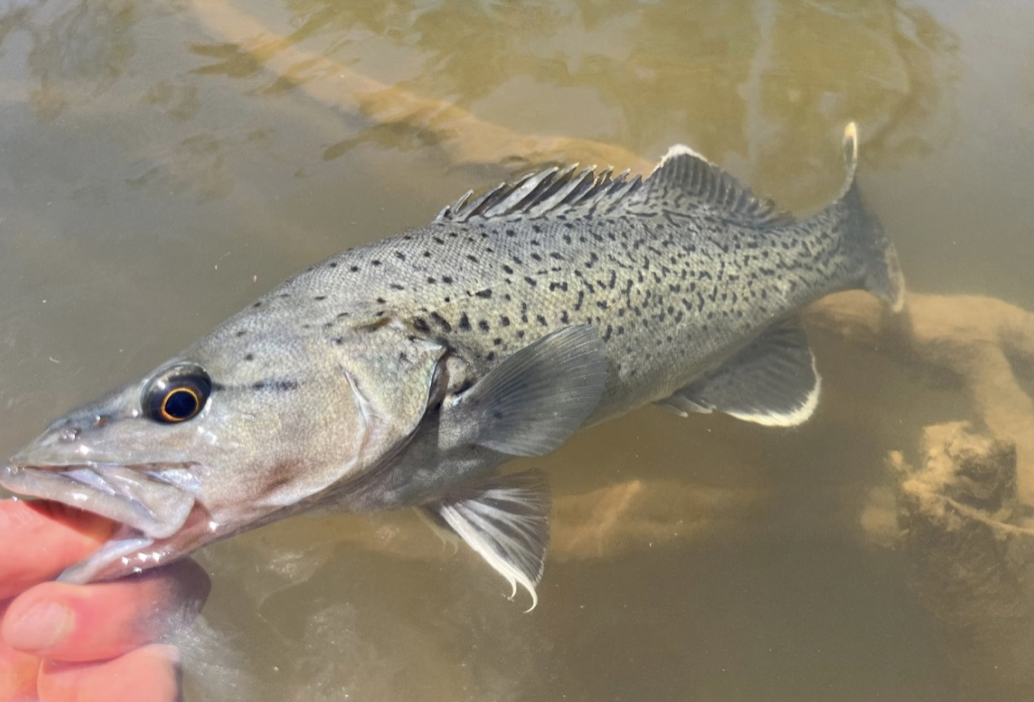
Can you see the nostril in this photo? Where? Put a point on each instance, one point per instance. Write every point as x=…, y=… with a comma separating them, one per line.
x=71, y=434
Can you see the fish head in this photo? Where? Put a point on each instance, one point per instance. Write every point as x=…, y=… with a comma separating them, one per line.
x=227, y=436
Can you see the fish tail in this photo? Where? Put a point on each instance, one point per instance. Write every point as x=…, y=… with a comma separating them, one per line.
x=872, y=253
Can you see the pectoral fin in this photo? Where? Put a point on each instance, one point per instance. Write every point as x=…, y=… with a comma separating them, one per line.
x=772, y=382
x=506, y=521
x=534, y=400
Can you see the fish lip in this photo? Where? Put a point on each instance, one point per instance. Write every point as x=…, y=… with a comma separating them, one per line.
x=155, y=499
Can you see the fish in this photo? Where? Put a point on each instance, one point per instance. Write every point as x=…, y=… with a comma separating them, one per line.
x=408, y=371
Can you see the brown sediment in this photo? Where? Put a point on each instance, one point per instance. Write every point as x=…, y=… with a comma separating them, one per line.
x=970, y=565
x=981, y=340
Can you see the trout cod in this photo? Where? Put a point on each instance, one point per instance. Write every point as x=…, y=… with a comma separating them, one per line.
x=406, y=372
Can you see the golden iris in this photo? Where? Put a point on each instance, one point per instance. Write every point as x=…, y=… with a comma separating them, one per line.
x=177, y=394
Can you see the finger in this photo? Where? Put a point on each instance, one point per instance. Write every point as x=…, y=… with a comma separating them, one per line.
x=42, y=538
x=103, y=620
x=149, y=674
x=18, y=672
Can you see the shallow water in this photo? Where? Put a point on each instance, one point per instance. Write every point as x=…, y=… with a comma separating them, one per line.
x=161, y=164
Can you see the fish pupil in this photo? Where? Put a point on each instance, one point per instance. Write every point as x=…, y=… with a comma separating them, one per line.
x=181, y=404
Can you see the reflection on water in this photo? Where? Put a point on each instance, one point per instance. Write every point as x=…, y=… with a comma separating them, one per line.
x=162, y=164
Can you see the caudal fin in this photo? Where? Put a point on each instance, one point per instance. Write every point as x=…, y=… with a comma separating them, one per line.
x=873, y=251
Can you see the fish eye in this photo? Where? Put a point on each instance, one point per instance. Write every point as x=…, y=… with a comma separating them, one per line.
x=178, y=394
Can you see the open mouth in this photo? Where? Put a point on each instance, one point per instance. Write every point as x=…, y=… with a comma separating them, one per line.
x=156, y=506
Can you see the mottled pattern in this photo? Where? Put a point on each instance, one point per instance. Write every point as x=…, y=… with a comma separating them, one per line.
x=674, y=275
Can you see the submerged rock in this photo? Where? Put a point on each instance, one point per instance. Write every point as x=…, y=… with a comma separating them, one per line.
x=971, y=565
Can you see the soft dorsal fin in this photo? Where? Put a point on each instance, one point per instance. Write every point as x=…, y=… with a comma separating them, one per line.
x=683, y=173
x=550, y=191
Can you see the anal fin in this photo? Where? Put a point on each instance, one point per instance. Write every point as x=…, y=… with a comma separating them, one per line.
x=773, y=382
x=505, y=519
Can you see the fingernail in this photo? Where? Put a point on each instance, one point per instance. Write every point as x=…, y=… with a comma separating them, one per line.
x=42, y=627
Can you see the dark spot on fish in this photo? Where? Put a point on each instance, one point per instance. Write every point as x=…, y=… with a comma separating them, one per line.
x=249, y=357
x=420, y=324
x=400, y=256
x=541, y=320
x=472, y=258
x=504, y=320
x=375, y=262
x=535, y=256
x=381, y=301
x=354, y=269
x=510, y=232
x=602, y=304
x=396, y=286
x=441, y=322
x=507, y=269
x=332, y=264
x=564, y=318
x=606, y=335
x=339, y=341
x=426, y=254
x=464, y=322
x=520, y=333
x=483, y=325
x=318, y=298
x=431, y=280
x=530, y=281
x=486, y=293
x=258, y=304
x=438, y=240
x=241, y=332
x=497, y=341
x=447, y=279
x=536, y=228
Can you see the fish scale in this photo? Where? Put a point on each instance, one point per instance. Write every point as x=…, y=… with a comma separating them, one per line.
x=405, y=372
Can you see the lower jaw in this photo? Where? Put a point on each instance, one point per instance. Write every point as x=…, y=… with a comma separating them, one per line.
x=129, y=550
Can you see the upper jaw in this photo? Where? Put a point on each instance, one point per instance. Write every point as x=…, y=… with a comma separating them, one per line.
x=154, y=499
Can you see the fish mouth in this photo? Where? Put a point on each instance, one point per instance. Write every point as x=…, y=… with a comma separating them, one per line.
x=156, y=505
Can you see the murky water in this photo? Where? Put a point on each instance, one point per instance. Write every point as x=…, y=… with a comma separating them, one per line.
x=161, y=164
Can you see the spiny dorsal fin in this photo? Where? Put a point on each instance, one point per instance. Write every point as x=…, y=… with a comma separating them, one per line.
x=550, y=191
x=688, y=180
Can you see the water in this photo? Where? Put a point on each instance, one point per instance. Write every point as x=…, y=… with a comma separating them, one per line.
x=161, y=164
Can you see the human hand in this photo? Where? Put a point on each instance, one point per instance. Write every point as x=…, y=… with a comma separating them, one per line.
x=84, y=642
